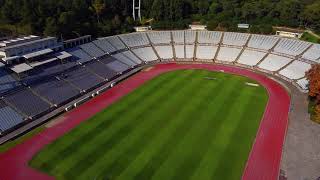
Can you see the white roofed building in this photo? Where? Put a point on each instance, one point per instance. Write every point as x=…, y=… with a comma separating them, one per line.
x=27, y=47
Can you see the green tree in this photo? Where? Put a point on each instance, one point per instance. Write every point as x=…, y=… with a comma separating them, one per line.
x=98, y=6
x=51, y=27
x=311, y=16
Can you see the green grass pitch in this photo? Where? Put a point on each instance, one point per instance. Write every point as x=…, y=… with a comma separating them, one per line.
x=186, y=124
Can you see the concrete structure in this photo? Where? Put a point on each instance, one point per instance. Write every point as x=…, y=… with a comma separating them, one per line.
x=288, y=32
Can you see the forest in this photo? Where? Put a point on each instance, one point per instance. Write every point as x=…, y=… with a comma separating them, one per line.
x=72, y=18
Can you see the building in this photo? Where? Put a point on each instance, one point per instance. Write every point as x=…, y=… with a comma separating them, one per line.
x=27, y=47
x=24, y=54
x=142, y=28
x=77, y=41
x=197, y=26
x=243, y=26
x=288, y=32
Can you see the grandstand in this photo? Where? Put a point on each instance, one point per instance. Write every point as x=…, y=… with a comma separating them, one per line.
x=135, y=39
x=115, y=42
x=178, y=37
x=9, y=118
x=165, y=52
x=160, y=37
x=206, y=53
x=209, y=37
x=235, y=39
x=262, y=42
x=105, y=46
x=291, y=47
x=78, y=70
x=228, y=54
x=147, y=54
x=92, y=50
x=179, y=51
x=274, y=63
x=251, y=57
x=313, y=53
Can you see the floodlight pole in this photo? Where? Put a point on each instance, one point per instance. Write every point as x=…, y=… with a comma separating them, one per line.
x=134, y=8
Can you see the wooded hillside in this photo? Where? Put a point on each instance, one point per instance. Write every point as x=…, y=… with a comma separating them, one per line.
x=72, y=18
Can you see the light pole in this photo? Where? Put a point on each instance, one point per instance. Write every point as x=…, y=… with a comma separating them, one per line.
x=135, y=8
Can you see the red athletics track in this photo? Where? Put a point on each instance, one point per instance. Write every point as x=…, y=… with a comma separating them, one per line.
x=264, y=159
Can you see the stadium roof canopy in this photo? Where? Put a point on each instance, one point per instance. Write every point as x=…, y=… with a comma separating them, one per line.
x=38, y=53
x=20, y=68
x=63, y=55
x=39, y=63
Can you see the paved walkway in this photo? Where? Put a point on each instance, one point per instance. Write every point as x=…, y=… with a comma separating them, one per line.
x=301, y=155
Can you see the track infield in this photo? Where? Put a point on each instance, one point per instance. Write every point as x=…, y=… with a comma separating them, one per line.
x=185, y=124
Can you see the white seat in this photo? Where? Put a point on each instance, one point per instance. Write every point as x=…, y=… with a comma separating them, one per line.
x=160, y=37
x=189, y=51
x=235, y=39
x=179, y=49
x=295, y=70
x=206, y=52
x=178, y=37
x=274, y=62
x=209, y=37
x=291, y=47
x=250, y=57
x=165, y=52
x=262, y=42
x=303, y=83
x=313, y=54
x=228, y=54
x=147, y=54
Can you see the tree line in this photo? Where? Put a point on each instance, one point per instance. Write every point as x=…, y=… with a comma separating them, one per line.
x=73, y=18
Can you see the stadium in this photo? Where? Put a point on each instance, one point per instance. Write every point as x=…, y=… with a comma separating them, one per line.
x=144, y=72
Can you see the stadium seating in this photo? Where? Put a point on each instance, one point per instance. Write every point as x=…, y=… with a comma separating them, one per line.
x=206, y=52
x=124, y=59
x=80, y=55
x=262, y=42
x=179, y=49
x=295, y=70
x=92, y=50
x=165, y=52
x=55, y=90
x=135, y=39
x=160, y=37
x=209, y=37
x=178, y=37
x=82, y=78
x=313, y=54
x=8, y=117
x=132, y=57
x=190, y=37
x=235, y=39
x=228, y=54
x=105, y=46
x=189, y=51
x=27, y=102
x=101, y=70
x=115, y=42
x=274, y=62
x=291, y=47
x=96, y=63
x=48, y=71
x=118, y=66
x=251, y=57
x=303, y=83
x=107, y=59
x=146, y=54
x=7, y=82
